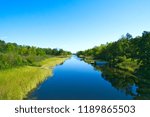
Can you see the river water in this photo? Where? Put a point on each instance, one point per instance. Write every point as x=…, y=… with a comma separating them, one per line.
x=78, y=80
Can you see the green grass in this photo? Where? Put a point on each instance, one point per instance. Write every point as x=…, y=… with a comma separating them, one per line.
x=16, y=83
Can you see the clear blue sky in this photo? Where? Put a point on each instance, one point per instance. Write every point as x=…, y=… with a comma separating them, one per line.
x=71, y=24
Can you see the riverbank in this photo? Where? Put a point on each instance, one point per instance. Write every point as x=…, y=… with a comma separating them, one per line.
x=77, y=80
x=15, y=83
x=128, y=65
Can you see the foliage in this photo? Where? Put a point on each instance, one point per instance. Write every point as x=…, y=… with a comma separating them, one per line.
x=12, y=55
x=129, y=54
x=126, y=48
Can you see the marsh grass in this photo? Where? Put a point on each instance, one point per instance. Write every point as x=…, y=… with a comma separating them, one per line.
x=15, y=83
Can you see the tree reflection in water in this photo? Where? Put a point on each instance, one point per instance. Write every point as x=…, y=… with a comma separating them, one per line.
x=138, y=87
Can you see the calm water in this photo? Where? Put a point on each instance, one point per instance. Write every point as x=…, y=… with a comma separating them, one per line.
x=75, y=79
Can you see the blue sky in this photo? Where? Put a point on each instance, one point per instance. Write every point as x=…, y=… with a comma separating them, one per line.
x=71, y=24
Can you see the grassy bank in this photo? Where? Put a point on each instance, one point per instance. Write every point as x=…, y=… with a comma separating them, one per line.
x=17, y=82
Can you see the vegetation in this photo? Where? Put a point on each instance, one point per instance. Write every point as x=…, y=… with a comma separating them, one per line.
x=12, y=55
x=22, y=68
x=127, y=50
x=15, y=83
x=129, y=54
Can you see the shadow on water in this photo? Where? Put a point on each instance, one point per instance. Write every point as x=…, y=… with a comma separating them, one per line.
x=136, y=85
x=78, y=80
x=144, y=83
x=119, y=79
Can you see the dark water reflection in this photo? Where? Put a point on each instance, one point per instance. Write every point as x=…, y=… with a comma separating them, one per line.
x=119, y=79
x=76, y=79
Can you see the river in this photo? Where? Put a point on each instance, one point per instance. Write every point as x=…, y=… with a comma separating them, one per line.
x=77, y=80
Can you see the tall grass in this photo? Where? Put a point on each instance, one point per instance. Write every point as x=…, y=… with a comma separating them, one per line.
x=17, y=82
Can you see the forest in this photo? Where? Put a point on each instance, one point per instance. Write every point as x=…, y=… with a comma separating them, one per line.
x=129, y=50
x=12, y=55
x=128, y=54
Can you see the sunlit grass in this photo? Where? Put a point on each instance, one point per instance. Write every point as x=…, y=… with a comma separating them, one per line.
x=17, y=82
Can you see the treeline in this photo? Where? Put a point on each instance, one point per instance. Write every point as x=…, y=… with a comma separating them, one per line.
x=12, y=55
x=126, y=49
x=130, y=54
